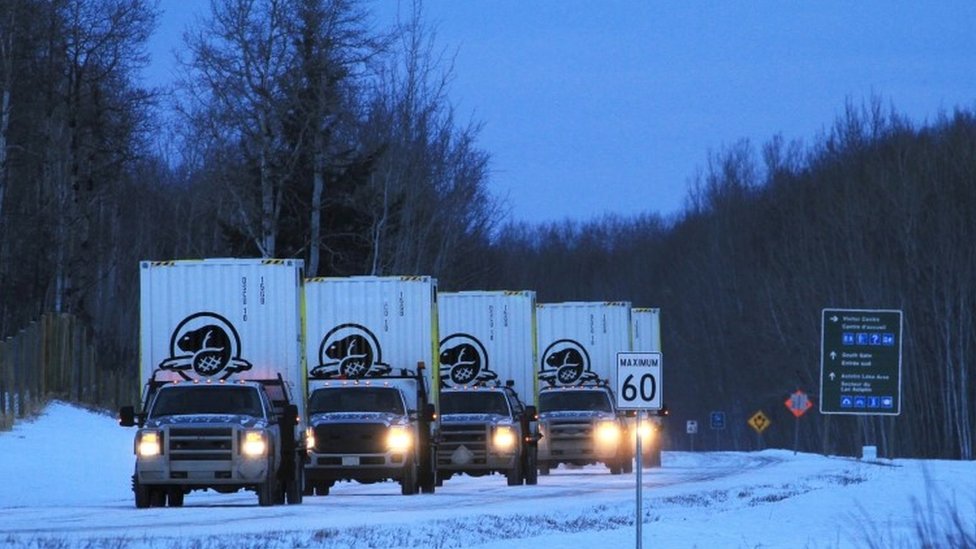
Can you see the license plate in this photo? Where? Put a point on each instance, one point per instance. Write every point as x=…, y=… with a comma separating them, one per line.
x=350, y=460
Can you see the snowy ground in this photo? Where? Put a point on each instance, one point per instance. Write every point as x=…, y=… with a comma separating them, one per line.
x=64, y=482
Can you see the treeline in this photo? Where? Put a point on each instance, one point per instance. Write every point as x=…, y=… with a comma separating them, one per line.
x=298, y=128
x=877, y=214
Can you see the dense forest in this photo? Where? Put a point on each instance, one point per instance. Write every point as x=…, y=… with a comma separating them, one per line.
x=298, y=129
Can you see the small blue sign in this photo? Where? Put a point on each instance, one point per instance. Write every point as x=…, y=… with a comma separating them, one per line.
x=717, y=420
x=860, y=402
x=847, y=338
x=887, y=402
x=875, y=339
x=888, y=340
x=862, y=338
x=874, y=402
x=846, y=401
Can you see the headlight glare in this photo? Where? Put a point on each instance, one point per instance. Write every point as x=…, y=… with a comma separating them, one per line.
x=504, y=438
x=607, y=432
x=150, y=444
x=398, y=439
x=310, y=438
x=255, y=444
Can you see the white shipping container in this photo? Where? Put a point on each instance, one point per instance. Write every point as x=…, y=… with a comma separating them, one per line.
x=488, y=336
x=370, y=326
x=222, y=319
x=579, y=341
x=646, y=329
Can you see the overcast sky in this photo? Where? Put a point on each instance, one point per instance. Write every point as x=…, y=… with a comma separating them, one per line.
x=601, y=106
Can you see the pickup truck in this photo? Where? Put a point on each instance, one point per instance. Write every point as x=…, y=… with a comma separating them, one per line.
x=224, y=436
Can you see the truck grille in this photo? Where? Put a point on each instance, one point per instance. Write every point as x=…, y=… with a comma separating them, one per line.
x=473, y=436
x=570, y=437
x=350, y=438
x=201, y=443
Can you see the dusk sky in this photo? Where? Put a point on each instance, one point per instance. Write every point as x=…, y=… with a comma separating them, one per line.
x=594, y=107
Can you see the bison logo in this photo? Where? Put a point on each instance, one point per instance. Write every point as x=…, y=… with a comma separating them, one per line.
x=566, y=362
x=464, y=361
x=349, y=351
x=206, y=344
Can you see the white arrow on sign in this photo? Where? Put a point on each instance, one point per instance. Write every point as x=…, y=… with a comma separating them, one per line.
x=834, y=318
x=833, y=355
x=832, y=376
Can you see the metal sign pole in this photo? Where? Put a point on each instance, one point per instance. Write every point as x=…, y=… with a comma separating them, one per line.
x=640, y=483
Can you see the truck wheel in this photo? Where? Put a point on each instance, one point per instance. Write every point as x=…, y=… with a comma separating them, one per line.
x=295, y=487
x=408, y=483
x=514, y=475
x=267, y=491
x=544, y=468
x=157, y=496
x=628, y=465
x=322, y=488
x=175, y=496
x=616, y=467
x=142, y=494
x=532, y=468
x=442, y=476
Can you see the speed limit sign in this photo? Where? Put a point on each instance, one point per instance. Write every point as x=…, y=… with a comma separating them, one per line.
x=639, y=381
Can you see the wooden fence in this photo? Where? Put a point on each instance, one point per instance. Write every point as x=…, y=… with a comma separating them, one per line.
x=54, y=357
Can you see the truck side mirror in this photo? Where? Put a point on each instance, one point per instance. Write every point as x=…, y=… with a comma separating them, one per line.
x=127, y=416
x=531, y=413
x=430, y=413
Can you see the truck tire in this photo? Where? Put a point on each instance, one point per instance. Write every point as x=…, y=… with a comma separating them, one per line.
x=514, y=475
x=616, y=467
x=142, y=493
x=442, y=476
x=628, y=464
x=157, y=496
x=532, y=467
x=544, y=468
x=175, y=496
x=267, y=490
x=295, y=487
x=408, y=482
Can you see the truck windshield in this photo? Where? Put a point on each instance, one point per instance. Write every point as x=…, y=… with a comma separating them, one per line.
x=356, y=399
x=473, y=402
x=574, y=401
x=207, y=399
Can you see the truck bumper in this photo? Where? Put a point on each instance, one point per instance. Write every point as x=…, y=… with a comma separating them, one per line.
x=201, y=473
x=355, y=466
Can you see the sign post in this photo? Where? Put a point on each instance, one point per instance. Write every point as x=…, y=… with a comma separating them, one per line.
x=860, y=362
x=639, y=388
x=798, y=403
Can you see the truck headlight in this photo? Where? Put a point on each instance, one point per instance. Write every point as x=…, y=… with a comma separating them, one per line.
x=149, y=444
x=607, y=432
x=255, y=444
x=504, y=438
x=310, y=439
x=398, y=439
x=646, y=431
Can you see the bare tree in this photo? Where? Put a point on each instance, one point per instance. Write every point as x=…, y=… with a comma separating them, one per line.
x=239, y=57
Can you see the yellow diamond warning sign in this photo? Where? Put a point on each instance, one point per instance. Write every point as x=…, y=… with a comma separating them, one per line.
x=759, y=421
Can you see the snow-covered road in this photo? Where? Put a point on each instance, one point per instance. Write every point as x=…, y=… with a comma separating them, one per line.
x=65, y=482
